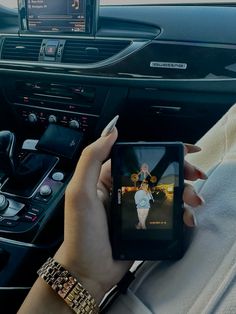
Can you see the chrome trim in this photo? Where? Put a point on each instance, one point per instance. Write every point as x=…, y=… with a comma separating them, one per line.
x=11, y=150
x=170, y=108
x=102, y=78
x=53, y=96
x=78, y=37
x=74, y=37
x=134, y=75
x=56, y=35
x=194, y=44
x=27, y=244
x=15, y=288
x=15, y=242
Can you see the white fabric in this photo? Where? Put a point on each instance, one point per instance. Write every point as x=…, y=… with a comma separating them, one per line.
x=204, y=280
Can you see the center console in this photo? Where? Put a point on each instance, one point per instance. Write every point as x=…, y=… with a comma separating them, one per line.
x=33, y=174
x=34, y=180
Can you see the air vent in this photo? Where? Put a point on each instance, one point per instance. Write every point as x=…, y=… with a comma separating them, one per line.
x=91, y=51
x=25, y=49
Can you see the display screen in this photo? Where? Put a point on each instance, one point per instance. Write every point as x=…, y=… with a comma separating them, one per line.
x=60, y=16
x=146, y=211
x=148, y=181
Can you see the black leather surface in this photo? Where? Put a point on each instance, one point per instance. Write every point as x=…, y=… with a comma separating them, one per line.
x=29, y=174
x=7, y=145
x=60, y=141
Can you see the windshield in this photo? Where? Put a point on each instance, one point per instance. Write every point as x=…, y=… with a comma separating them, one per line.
x=12, y=4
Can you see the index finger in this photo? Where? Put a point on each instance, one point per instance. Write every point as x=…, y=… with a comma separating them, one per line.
x=105, y=176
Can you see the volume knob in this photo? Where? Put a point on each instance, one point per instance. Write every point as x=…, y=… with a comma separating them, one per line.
x=74, y=124
x=3, y=203
x=32, y=118
x=52, y=119
x=45, y=190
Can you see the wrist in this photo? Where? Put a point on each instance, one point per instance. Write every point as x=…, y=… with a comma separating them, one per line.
x=77, y=297
x=92, y=286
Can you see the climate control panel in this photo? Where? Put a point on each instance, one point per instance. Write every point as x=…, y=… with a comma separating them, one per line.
x=42, y=117
x=19, y=216
x=73, y=104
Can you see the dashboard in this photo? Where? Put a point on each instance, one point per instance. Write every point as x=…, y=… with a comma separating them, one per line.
x=142, y=57
x=168, y=70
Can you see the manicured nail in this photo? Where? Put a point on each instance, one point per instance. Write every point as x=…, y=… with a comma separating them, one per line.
x=110, y=127
x=190, y=148
x=197, y=148
x=202, y=200
x=201, y=174
x=195, y=223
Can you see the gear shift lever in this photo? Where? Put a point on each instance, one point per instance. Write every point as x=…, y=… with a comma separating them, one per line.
x=7, y=147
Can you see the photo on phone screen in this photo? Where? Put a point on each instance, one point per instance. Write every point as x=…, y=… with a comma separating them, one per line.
x=147, y=181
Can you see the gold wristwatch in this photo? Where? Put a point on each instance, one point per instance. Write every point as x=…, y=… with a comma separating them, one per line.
x=68, y=288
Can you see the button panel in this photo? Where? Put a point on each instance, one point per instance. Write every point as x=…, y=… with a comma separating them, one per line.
x=43, y=117
x=8, y=223
x=51, y=50
x=13, y=209
x=45, y=190
x=21, y=219
x=48, y=185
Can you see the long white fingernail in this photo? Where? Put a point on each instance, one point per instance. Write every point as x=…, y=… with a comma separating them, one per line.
x=110, y=127
x=202, y=175
x=195, y=220
x=202, y=200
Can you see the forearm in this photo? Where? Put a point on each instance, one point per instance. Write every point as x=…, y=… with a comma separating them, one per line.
x=43, y=300
x=55, y=284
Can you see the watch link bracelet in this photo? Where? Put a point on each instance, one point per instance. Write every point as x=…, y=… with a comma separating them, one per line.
x=68, y=288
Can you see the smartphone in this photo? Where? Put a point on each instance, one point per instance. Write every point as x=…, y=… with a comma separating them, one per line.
x=146, y=215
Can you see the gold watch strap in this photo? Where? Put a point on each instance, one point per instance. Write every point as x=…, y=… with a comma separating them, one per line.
x=67, y=287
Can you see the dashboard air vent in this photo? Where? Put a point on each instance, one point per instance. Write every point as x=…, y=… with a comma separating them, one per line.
x=25, y=49
x=91, y=51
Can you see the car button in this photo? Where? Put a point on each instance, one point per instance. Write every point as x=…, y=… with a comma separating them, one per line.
x=8, y=223
x=58, y=176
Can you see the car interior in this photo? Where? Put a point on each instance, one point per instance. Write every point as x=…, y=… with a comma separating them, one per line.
x=168, y=71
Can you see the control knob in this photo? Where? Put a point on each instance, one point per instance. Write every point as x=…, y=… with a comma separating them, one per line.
x=45, y=190
x=3, y=203
x=32, y=118
x=58, y=176
x=74, y=124
x=52, y=119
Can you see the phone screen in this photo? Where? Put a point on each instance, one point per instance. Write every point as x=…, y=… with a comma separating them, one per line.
x=148, y=180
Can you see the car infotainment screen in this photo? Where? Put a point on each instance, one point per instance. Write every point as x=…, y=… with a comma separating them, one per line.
x=60, y=16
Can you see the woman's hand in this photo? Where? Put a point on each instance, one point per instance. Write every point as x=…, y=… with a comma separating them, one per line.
x=86, y=250
x=190, y=197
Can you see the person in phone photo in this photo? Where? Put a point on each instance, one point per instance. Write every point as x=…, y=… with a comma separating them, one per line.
x=142, y=200
x=144, y=173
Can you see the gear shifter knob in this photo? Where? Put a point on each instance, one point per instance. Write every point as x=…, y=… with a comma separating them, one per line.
x=7, y=147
